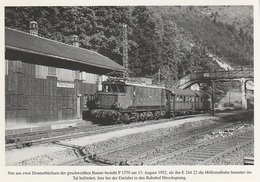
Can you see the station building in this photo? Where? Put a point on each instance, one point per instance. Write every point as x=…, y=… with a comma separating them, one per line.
x=47, y=80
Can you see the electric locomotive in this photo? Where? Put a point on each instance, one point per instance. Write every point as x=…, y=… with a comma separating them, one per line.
x=124, y=101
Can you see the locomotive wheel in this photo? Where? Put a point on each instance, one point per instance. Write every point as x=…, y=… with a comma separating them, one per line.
x=117, y=118
x=119, y=122
x=148, y=115
x=141, y=117
x=145, y=116
x=125, y=118
x=137, y=116
x=157, y=115
x=151, y=115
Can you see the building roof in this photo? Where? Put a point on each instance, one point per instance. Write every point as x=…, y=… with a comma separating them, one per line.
x=27, y=43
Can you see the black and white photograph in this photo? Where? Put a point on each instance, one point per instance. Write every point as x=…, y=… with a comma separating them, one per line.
x=129, y=92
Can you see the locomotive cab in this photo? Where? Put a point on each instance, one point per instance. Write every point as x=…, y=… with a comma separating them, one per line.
x=112, y=95
x=122, y=100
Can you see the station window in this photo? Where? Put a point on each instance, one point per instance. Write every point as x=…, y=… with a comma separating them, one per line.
x=177, y=99
x=41, y=71
x=51, y=71
x=76, y=75
x=62, y=74
x=17, y=66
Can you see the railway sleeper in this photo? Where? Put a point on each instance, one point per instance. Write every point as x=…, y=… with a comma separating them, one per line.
x=197, y=156
x=204, y=153
x=18, y=143
x=23, y=144
x=191, y=158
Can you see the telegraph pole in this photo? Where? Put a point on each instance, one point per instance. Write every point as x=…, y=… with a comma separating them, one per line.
x=125, y=50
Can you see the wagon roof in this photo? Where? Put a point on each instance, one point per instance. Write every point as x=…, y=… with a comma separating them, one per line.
x=201, y=94
x=144, y=85
x=113, y=82
x=28, y=43
x=183, y=92
x=132, y=84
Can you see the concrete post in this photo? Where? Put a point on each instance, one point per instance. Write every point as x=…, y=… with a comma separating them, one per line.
x=78, y=107
x=243, y=92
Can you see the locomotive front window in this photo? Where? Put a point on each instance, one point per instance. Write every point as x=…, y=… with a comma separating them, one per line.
x=121, y=88
x=177, y=99
x=105, y=88
x=192, y=99
x=113, y=88
x=172, y=98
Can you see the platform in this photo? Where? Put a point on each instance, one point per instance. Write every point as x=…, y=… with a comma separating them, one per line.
x=42, y=126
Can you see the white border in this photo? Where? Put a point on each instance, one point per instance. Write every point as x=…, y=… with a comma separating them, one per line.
x=255, y=169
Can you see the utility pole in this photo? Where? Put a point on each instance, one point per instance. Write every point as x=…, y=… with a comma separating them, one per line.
x=229, y=90
x=125, y=50
x=212, y=97
x=159, y=76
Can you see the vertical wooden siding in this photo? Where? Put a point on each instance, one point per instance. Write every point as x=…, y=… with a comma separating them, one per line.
x=29, y=99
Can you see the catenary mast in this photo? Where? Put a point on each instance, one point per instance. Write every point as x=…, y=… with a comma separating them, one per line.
x=125, y=50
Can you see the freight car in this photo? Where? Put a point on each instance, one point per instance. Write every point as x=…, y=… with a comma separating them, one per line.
x=122, y=101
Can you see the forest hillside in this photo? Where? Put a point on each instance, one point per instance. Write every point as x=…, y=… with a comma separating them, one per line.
x=174, y=39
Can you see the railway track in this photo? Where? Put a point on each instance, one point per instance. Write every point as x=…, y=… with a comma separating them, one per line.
x=143, y=152
x=48, y=136
x=23, y=137
x=203, y=154
x=53, y=136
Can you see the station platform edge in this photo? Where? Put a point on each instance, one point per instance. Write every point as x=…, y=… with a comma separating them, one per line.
x=42, y=126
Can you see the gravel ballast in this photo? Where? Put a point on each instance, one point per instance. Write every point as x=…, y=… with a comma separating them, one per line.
x=52, y=155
